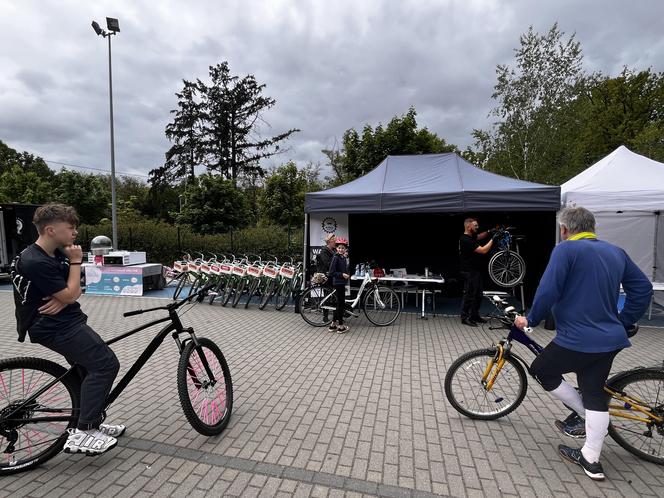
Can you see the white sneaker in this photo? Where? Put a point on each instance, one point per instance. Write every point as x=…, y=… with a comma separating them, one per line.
x=113, y=430
x=91, y=442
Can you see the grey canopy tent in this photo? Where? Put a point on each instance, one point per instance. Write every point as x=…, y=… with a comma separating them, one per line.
x=433, y=183
x=424, y=198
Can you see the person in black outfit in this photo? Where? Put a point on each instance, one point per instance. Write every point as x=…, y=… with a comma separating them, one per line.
x=324, y=257
x=46, y=278
x=472, y=263
x=339, y=273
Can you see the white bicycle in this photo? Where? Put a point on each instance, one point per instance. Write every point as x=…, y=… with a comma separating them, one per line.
x=381, y=305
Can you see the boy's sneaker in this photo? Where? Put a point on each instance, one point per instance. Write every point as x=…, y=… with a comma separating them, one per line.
x=592, y=470
x=113, y=430
x=573, y=426
x=332, y=327
x=342, y=329
x=91, y=442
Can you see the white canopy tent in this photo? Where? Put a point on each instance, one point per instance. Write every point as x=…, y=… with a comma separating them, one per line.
x=625, y=191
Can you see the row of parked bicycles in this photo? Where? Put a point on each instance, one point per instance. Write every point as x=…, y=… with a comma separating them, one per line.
x=246, y=279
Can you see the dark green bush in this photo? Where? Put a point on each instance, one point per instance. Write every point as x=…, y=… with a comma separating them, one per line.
x=163, y=244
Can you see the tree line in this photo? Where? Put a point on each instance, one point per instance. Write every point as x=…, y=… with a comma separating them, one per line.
x=551, y=120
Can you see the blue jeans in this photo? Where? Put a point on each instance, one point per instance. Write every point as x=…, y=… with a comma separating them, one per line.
x=98, y=366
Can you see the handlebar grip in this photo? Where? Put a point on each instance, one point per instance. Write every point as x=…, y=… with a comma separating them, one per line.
x=132, y=313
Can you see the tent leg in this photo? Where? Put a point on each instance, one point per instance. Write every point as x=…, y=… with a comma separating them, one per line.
x=305, y=256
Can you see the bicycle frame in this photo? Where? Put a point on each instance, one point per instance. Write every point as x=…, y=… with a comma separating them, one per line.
x=175, y=327
x=354, y=303
x=504, y=348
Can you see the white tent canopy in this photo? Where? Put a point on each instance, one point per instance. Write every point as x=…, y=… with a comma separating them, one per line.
x=621, y=181
x=625, y=191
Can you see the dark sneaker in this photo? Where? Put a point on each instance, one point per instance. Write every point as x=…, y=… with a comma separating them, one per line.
x=478, y=319
x=592, y=470
x=573, y=426
x=469, y=322
x=332, y=327
x=342, y=329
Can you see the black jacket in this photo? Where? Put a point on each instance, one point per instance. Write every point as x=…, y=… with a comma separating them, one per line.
x=323, y=260
x=338, y=267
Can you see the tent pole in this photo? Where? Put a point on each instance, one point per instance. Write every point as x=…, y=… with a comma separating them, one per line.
x=654, y=254
x=305, y=257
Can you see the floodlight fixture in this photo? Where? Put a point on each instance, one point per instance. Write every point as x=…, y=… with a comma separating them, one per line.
x=113, y=25
x=97, y=28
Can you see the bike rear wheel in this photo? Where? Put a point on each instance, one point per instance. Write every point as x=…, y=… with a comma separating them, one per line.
x=465, y=392
x=317, y=305
x=639, y=438
x=381, y=306
x=34, y=442
x=206, y=405
x=507, y=268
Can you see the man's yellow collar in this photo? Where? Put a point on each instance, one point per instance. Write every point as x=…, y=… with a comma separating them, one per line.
x=582, y=235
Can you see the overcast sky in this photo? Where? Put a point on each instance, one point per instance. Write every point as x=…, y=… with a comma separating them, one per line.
x=330, y=65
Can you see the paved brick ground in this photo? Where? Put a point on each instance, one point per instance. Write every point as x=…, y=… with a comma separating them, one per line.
x=319, y=414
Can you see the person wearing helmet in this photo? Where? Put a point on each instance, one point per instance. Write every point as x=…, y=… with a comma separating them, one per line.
x=46, y=277
x=339, y=273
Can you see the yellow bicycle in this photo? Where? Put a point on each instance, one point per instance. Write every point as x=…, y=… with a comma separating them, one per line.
x=489, y=383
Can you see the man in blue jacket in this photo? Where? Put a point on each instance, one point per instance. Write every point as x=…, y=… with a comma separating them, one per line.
x=581, y=286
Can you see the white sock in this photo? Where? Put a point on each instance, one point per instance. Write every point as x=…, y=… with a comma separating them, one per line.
x=597, y=425
x=570, y=396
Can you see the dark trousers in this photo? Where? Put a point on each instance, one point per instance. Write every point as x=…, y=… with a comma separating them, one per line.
x=81, y=345
x=341, y=304
x=591, y=369
x=472, y=294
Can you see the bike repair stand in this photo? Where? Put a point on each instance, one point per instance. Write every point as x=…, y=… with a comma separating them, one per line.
x=523, y=298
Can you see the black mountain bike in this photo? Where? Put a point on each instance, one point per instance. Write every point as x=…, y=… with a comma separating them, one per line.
x=39, y=399
x=487, y=384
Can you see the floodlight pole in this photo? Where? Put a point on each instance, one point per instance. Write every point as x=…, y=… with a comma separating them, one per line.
x=114, y=217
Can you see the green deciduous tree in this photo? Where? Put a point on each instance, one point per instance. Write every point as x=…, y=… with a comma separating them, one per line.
x=283, y=196
x=362, y=152
x=535, y=109
x=89, y=194
x=24, y=187
x=213, y=205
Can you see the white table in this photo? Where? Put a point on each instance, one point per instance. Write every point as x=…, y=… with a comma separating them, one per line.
x=410, y=279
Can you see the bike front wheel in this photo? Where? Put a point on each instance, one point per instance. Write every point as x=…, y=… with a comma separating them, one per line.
x=507, y=268
x=282, y=295
x=466, y=393
x=382, y=306
x=207, y=401
x=643, y=439
x=27, y=444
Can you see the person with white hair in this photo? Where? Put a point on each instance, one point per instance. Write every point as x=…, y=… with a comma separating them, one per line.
x=581, y=285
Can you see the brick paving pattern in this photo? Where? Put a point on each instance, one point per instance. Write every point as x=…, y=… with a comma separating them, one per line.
x=325, y=415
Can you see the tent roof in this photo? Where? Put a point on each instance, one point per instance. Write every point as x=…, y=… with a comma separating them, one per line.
x=621, y=181
x=433, y=183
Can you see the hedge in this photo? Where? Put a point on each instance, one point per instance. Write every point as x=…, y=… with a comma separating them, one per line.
x=166, y=243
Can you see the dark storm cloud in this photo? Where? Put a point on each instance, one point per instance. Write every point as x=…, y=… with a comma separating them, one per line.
x=330, y=66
